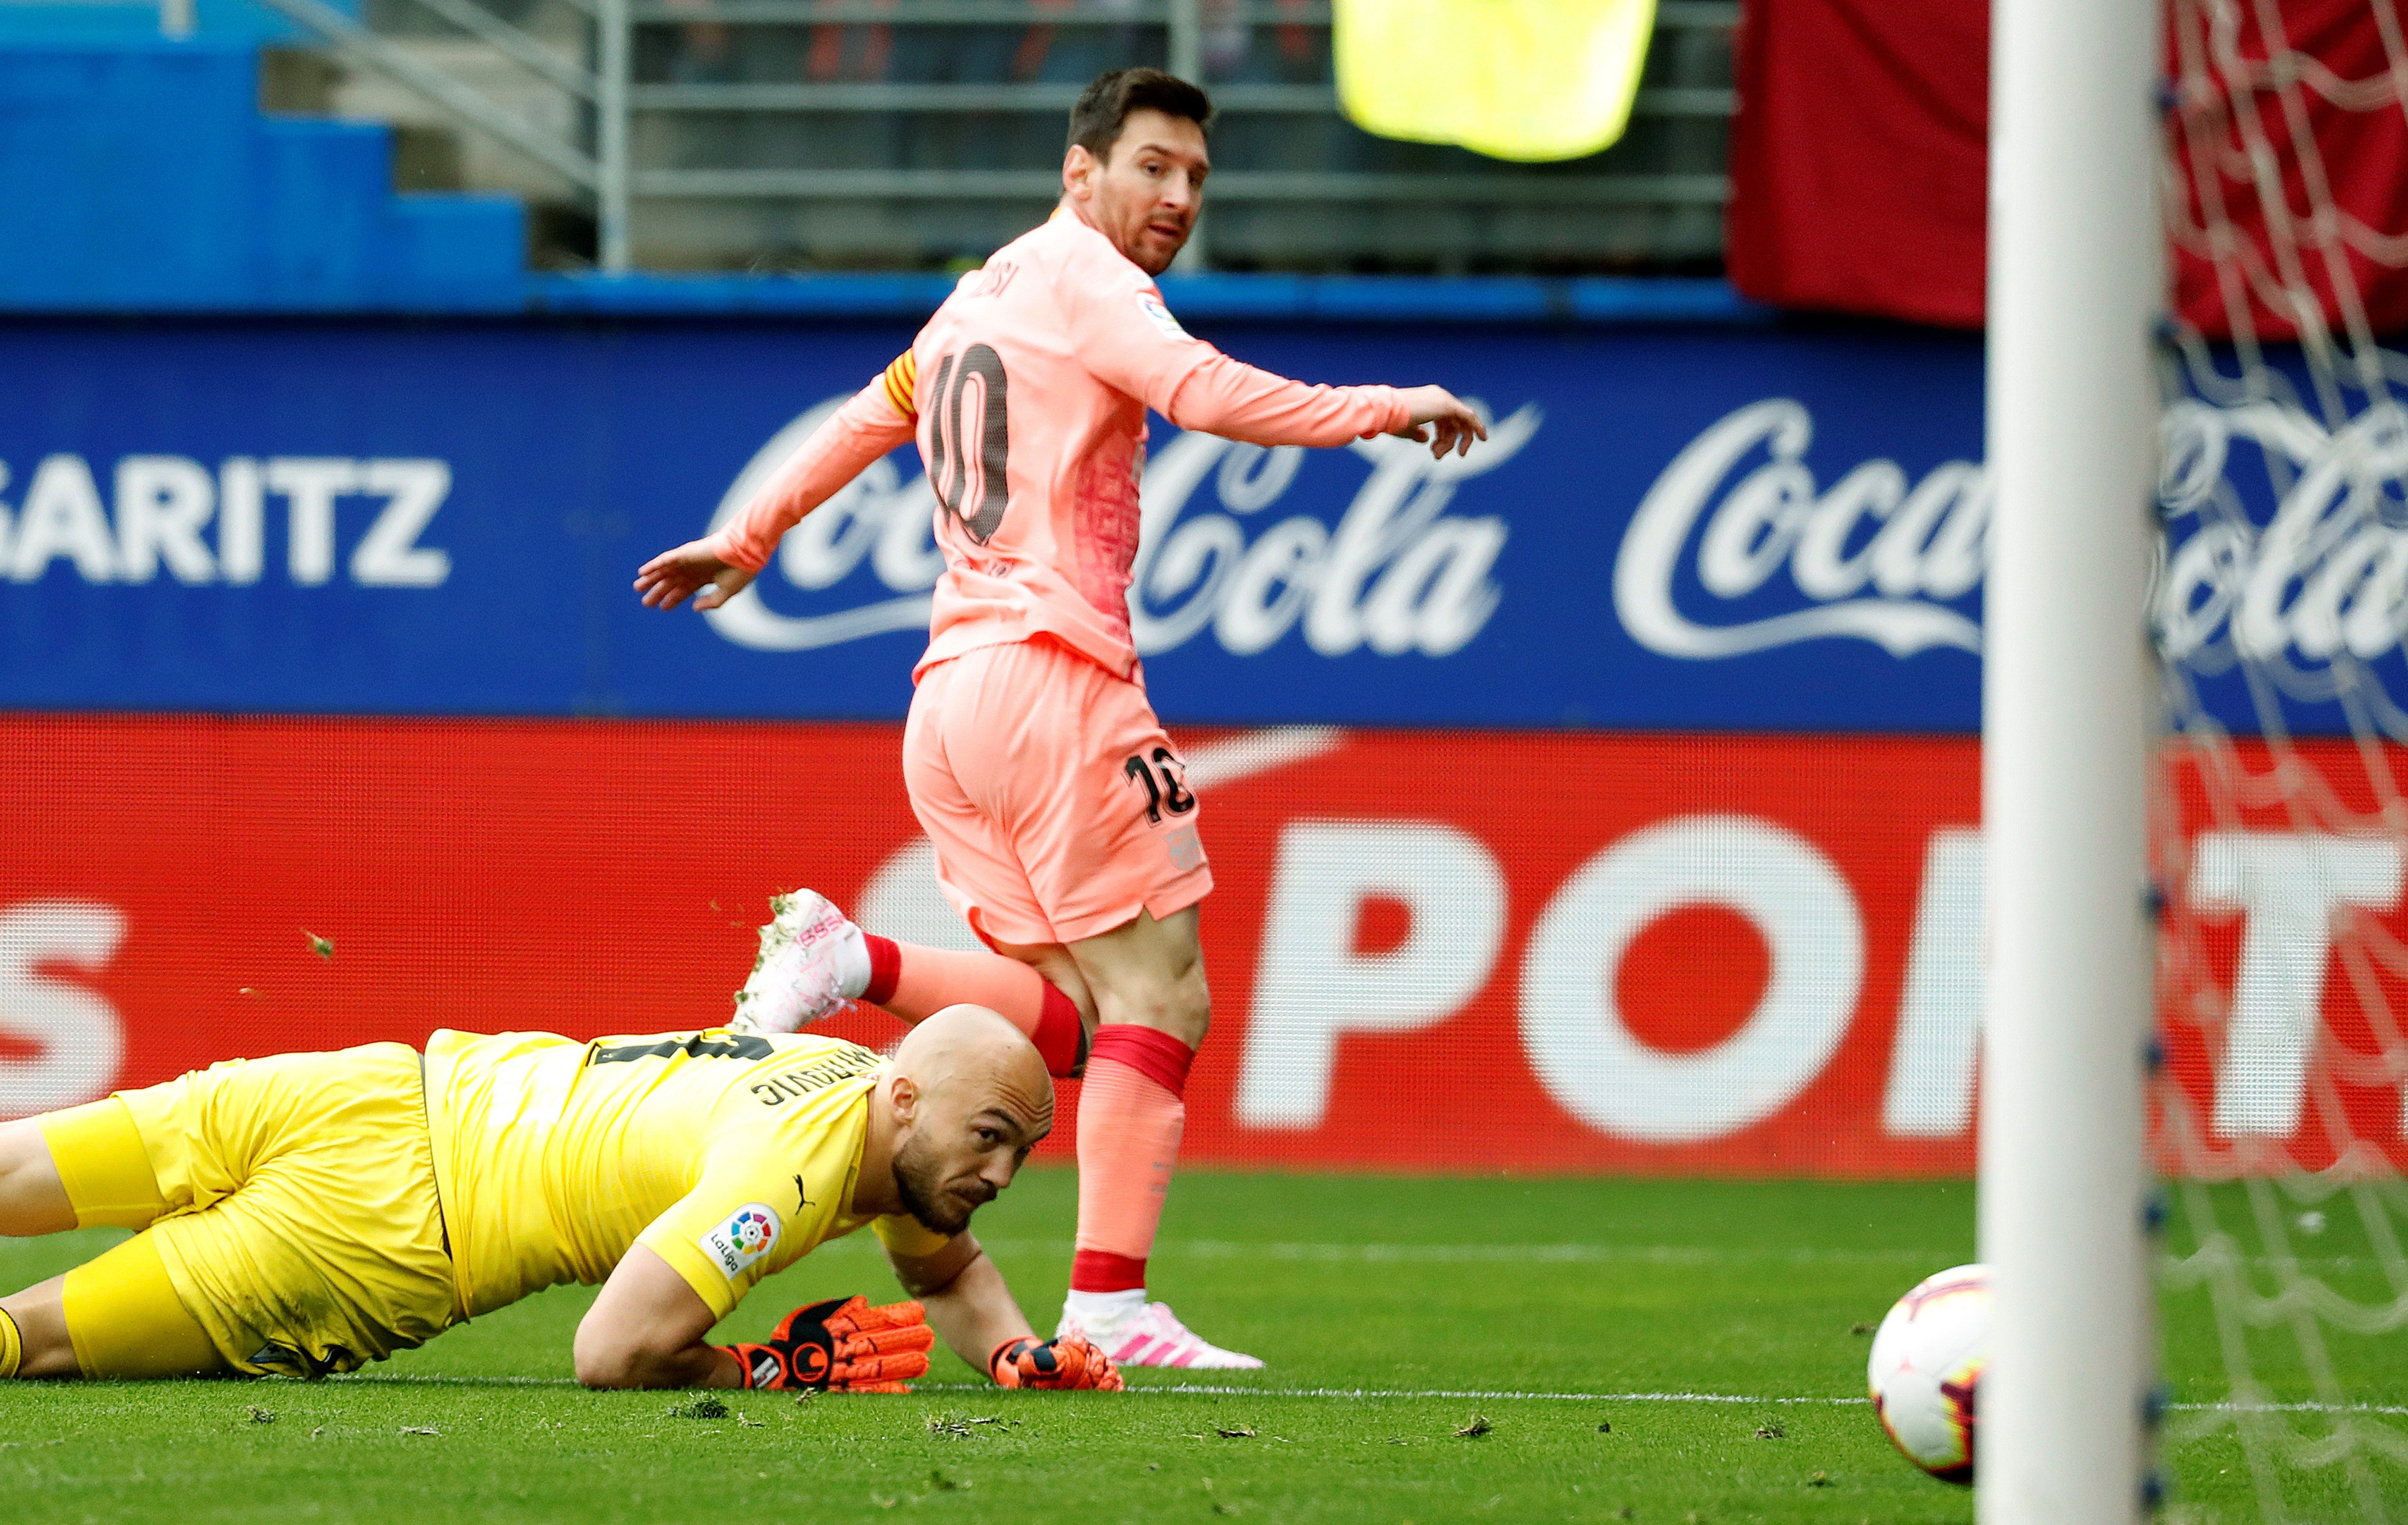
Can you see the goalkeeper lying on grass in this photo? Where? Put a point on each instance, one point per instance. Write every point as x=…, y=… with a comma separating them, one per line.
x=310, y=1212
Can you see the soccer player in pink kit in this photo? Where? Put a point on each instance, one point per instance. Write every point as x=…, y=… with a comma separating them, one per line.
x=1064, y=826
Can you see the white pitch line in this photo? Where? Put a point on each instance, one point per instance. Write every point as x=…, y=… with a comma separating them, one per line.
x=1560, y=1254
x=2292, y=1408
x=1178, y=1390
x=410, y=1379
x=436, y=1379
x=1219, y=1249
x=1332, y=1254
x=1232, y=1390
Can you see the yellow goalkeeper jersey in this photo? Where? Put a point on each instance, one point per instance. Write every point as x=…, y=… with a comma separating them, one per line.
x=729, y=1155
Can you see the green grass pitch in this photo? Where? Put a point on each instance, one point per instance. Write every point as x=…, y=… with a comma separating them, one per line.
x=1573, y=1317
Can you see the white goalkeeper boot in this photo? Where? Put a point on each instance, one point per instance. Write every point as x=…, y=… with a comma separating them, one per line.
x=811, y=960
x=1146, y=1334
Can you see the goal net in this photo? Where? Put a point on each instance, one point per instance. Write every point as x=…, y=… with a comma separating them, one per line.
x=2280, y=813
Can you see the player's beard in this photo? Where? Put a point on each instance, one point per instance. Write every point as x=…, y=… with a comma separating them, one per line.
x=919, y=1181
x=1129, y=224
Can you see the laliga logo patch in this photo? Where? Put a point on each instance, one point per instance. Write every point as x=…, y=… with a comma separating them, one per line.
x=1161, y=315
x=744, y=1238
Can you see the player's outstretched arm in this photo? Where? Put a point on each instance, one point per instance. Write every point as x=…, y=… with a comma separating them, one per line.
x=1229, y=398
x=1121, y=334
x=714, y=569
x=646, y=1329
x=969, y=1304
x=972, y=1306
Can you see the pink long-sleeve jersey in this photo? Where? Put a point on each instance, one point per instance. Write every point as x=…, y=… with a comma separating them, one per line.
x=1027, y=391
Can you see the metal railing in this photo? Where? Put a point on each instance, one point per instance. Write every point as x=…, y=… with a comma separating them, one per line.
x=356, y=44
x=597, y=163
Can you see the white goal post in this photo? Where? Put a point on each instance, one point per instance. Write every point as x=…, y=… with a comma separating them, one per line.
x=2068, y=694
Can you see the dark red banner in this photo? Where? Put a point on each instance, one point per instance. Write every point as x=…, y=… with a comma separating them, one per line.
x=1428, y=951
x=1859, y=161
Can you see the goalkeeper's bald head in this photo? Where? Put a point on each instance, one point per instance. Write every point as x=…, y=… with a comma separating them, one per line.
x=971, y=1098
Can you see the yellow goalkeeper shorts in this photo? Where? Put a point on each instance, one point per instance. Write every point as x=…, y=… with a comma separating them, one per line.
x=295, y=1208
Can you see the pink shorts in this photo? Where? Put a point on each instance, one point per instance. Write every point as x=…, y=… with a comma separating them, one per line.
x=1058, y=806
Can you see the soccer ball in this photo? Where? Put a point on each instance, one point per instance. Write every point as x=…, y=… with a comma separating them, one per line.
x=1928, y=1360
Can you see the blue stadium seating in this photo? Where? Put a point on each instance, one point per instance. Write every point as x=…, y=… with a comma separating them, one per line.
x=119, y=21
x=139, y=175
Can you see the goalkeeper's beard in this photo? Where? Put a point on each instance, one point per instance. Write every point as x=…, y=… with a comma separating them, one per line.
x=919, y=1181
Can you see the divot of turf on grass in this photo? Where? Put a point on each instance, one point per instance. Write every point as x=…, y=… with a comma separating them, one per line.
x=947, y=1427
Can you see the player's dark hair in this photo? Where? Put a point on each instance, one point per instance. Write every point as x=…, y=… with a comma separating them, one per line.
x=1105, y=105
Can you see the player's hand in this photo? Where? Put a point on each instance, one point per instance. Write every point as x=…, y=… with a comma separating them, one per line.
x=1443, y=419
x=1066, y=1364
x=842, y=1344
x=671, y=577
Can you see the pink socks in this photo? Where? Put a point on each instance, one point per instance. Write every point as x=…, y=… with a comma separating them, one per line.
x=915, y=983
x=1130, y=1117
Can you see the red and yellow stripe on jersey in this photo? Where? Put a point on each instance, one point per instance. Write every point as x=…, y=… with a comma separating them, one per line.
x=900, y=378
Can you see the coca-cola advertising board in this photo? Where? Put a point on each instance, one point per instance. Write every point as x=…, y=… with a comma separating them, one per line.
x=1741, y=526
x=1432, y=952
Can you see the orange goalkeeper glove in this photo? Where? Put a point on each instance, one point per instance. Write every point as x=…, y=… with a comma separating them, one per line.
x=842, y=1344
x=1064, y=1365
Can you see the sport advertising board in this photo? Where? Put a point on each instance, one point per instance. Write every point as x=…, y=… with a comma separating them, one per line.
x=1428, y=951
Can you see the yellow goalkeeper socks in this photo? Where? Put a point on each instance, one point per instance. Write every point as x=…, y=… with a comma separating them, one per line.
x=12, y=1346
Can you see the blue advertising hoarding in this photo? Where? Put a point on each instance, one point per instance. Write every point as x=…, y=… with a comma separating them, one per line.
x=1752, y=526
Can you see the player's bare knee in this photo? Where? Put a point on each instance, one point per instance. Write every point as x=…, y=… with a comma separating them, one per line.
x=45, y=1351
x=1180, y=1006
x=1183, y=1006
x=1188, y=1015
x=32, y=1201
